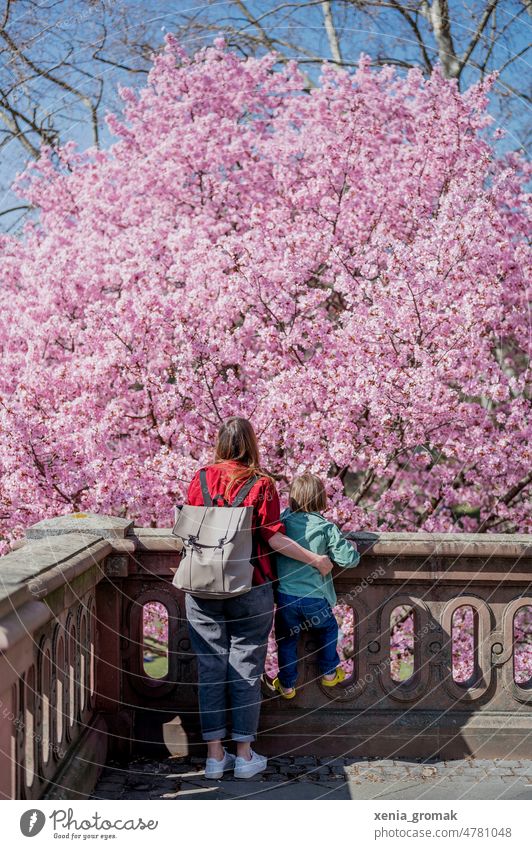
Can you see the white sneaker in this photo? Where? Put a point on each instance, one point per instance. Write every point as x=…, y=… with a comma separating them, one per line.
x=247, y=769
x=215, y=769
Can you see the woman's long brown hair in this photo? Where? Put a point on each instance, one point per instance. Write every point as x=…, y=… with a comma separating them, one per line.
x=237, y=441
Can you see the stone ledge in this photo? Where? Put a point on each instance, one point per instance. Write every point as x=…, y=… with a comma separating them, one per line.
x=108, y=527
x=40, y=566
x=39, y=556
x=161, y=540
x=126, y=537
x=517, y=547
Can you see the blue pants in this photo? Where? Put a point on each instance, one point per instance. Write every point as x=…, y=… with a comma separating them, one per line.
x=230, y=639
x=295, y=615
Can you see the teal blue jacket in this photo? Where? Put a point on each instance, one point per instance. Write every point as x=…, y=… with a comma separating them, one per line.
x=313, y=531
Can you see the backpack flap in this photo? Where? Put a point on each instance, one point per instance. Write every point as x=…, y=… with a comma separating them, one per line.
x=188, y=521
x=210, y=527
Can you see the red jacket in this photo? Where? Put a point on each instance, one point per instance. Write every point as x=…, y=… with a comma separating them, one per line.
x=266, y=511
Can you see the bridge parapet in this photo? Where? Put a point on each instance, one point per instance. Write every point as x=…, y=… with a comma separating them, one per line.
x=74, y=685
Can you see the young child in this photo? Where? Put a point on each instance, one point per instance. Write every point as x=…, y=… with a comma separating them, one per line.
x=305, y=597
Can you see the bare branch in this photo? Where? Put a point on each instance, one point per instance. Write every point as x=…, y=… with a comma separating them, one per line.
x=415, y=29
x=514, y=57
x=480, y=29
x=47, y=75
x=10, y=117
x=331, y=32
x=15, y=209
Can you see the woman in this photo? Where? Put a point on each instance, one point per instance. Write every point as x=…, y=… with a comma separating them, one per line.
x=230, y=635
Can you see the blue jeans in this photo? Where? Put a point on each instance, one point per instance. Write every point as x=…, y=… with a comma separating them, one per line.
x=230, y=638
x=294, y=615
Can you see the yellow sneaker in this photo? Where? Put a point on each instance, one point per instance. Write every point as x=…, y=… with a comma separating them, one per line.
x=279, y=687
x=339, y=676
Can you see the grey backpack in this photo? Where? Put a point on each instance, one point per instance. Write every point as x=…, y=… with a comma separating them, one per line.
x=217, y=545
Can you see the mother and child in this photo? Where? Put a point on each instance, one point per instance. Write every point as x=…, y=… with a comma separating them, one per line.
x=292, y=558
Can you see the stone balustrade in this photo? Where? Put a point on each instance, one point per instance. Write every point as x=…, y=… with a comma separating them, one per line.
x=74, y=688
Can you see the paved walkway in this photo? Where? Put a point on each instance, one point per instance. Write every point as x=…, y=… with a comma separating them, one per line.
x=322, y=778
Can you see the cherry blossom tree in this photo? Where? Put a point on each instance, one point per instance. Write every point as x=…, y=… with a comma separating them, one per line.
x=344, y=266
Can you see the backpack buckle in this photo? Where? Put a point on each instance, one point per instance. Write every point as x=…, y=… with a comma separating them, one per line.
x=193, y=542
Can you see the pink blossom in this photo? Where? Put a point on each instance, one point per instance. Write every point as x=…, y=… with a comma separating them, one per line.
x=347, y=267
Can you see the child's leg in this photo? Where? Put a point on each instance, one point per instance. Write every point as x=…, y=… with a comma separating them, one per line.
x=325, y=628
x=287, y=634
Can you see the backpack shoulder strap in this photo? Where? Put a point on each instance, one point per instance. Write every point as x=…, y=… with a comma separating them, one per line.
x=244, y=491
x=207, y=500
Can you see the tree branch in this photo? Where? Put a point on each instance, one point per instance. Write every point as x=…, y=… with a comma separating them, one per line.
x=437, y=15
x=331, y=32
x=474, y=41
x=509, y=496
x=47, y=75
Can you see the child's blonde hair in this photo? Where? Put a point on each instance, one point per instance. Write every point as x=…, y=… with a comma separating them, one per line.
x=307, y=494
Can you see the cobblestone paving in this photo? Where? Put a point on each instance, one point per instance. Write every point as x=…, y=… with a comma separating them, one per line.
x=328, y=778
